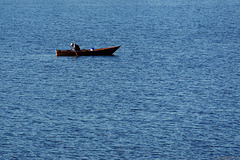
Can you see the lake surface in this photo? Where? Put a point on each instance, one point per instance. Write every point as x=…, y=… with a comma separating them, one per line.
x=172, y=91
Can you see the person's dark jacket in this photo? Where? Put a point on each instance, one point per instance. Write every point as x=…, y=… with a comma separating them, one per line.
x=77, y=48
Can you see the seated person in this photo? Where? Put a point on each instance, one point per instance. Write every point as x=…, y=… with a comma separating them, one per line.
x=75, y=46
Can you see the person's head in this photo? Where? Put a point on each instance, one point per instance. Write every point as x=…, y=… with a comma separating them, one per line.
x=72, y=44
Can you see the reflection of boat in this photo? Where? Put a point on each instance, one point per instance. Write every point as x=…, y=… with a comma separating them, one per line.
x=90, y=52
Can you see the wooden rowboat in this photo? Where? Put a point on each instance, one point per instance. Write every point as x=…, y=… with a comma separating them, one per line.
x=90, y=52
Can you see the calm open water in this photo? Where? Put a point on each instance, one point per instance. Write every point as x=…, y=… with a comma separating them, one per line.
x=172, y=91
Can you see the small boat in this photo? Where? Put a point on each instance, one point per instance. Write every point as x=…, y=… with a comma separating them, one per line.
x=90, y=52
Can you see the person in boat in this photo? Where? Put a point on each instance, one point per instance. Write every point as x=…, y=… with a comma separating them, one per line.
x=75, y=46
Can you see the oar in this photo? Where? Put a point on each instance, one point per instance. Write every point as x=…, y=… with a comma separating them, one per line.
x=76, y=52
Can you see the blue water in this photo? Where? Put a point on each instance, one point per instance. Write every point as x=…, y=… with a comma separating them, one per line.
x=172, y=91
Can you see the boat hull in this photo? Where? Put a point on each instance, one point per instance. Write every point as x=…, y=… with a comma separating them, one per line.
x=97, y=52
